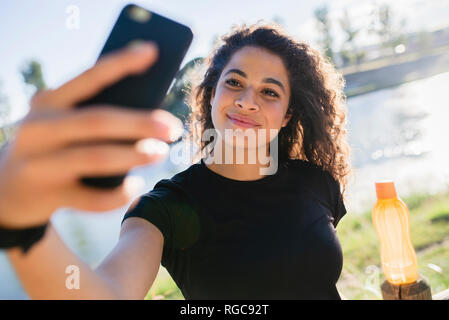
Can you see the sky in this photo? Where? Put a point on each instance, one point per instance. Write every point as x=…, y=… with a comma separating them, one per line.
x=45, y=29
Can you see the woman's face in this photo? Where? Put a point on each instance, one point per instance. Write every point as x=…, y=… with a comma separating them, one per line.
x=252, y=93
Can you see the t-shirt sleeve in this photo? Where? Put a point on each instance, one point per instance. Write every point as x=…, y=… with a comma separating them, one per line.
x=335, y=198
x=151, y=207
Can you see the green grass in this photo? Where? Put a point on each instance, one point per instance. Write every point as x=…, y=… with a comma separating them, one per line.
x=164, y=288
x=361, y=275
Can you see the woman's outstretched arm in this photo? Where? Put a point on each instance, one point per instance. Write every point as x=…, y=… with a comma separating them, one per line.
x=40, y=171
x=126, y=273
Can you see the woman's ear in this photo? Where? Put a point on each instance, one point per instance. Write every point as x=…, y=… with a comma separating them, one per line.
x=287, y=118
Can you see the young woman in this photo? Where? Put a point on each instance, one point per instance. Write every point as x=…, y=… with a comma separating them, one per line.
x=223, y=229
x=229, y=231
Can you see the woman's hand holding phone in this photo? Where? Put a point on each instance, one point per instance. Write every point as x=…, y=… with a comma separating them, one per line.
x=56, y=144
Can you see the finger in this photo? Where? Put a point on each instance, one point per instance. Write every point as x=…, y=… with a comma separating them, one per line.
x=108, y=70
x=49, y=132
x=88, y=199
x=65, y=166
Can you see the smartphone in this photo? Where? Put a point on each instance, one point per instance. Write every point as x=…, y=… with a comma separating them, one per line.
x=148, y=89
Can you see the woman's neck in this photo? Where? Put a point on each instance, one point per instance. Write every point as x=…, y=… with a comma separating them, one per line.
x=238, y=165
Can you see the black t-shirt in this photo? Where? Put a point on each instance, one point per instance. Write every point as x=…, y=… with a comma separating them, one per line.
x=272, y=238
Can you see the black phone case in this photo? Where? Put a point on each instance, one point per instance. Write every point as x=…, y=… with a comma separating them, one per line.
x=148, y=89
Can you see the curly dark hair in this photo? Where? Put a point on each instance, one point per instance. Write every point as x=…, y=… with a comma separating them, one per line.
x=317, y=105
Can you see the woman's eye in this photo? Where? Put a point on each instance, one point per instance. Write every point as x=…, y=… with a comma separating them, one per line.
x=235, y=83
x=232, y=82
x=271, y=93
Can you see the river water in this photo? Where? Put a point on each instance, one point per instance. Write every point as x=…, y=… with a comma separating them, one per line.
x=398, y=133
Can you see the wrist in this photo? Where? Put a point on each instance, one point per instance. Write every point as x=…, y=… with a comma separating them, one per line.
x=23, y=238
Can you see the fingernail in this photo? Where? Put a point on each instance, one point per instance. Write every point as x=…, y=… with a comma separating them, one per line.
x=140, y=46
x=176, y=132
x=152, y=146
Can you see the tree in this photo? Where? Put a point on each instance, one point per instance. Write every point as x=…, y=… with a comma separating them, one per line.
x=350, y=52
x=32, y=75
x=175, y=102
x=390, y=33
x=324, y=27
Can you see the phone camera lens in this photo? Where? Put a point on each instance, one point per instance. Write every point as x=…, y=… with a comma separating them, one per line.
x=139, y=14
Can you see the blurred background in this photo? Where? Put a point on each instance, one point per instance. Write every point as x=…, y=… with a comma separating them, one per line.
x=394, y=56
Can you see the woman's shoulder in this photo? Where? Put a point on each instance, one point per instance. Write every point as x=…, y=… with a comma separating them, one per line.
x=310, y=171
x=321, y=183
x=176, y=187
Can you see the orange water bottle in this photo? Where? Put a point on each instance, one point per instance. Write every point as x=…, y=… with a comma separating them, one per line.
x=391, y=220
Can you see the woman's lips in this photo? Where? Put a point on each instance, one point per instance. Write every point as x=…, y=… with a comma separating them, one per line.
x=242, y=123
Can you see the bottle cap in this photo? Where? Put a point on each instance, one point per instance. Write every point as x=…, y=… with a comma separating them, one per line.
x=385, y=189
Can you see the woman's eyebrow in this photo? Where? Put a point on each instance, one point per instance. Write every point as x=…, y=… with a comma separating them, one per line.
x=274, y=81
x=266, y=80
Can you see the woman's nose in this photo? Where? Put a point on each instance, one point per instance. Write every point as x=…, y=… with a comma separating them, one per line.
x=247, y=101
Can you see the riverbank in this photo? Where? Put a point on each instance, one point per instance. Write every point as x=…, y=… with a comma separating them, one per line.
x=362, y=275
x=391, y=72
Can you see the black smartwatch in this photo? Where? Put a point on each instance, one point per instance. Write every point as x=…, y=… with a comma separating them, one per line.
x=23, y=238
